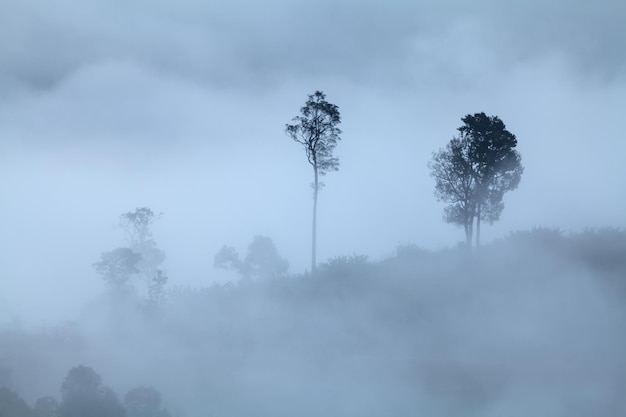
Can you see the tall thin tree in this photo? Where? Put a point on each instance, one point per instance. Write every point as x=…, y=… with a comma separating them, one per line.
x=316, y=129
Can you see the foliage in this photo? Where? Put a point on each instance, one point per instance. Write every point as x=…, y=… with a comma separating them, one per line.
x=410, y=251
x=341, y=266
x=420, y=320
x=141, y=259
x=84, y=396
x=262, y=259
x=11, y=405
x=80, y=381
x=156, y=289
x=144, y=402
x=46, y=407
x=455, y=184
x=475, y=170
x=228, y=258
x=542, y=237
x=117, y=267
x=137, y=226
x=317, y=130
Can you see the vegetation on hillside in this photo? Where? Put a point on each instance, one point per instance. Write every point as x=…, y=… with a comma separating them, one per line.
x=449, y=332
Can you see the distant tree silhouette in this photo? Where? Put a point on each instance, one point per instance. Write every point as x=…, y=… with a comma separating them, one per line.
x=144, y=402
x=117, y=267
x=316, y=129
x=228, y=258
x=137, y=226
x=475, y=170
x=262, y=259
x=11, y=405
x=84, y=396
x=46, y=407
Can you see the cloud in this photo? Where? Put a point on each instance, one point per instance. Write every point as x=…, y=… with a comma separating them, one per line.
x=114, y=103
x=245, y=43
x=181, y=106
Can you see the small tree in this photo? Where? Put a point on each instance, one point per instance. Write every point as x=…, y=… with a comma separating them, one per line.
x=118, y=266
x=79, y=382
x=316, y=129
x=144, y=402
x=228, y=258
x=137, y=226
x=474, y=172
x=84, y=396
x=262, y=259
x=454, y=184
x=46, y=407
x=12, y=405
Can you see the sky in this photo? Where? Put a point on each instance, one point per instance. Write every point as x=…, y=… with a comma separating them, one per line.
x=106, y=106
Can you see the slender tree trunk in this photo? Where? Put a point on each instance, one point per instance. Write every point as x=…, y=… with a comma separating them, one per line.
x=468, y=233
x=478, y=225
x=314, y=234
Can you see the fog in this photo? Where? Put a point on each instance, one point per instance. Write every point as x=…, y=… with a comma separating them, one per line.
x=181, y=107
x=529, y=325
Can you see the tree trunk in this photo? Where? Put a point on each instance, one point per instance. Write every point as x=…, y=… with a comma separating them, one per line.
x=314, y=234
x=478, y=225
x=468, y=233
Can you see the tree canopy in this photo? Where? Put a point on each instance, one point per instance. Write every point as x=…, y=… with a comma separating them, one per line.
x=144, y=402
x=474, y=171
x=140, y=259
x=317, y=130
x=117, y=266
x=84, y=395
x=262, y=259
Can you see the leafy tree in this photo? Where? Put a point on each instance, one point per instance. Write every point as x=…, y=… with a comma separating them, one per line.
x=144, y=402
x=316, y=129
x=262, y=259
x=137, y=226
x=80, y=380
x=228, y=258
x=475, y=170
x=455, y=184
x=84, y=396
x=12, y=405
x=117, y=266
x=141, y=258
x=46, y=407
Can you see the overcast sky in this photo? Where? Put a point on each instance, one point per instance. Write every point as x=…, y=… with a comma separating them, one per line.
x=106, y=106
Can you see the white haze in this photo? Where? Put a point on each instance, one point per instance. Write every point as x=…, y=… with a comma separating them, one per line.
x=516, y=330
x=106, y=106
x=181, y=107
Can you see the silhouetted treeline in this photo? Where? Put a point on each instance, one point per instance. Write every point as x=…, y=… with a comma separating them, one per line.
x=84, y=395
